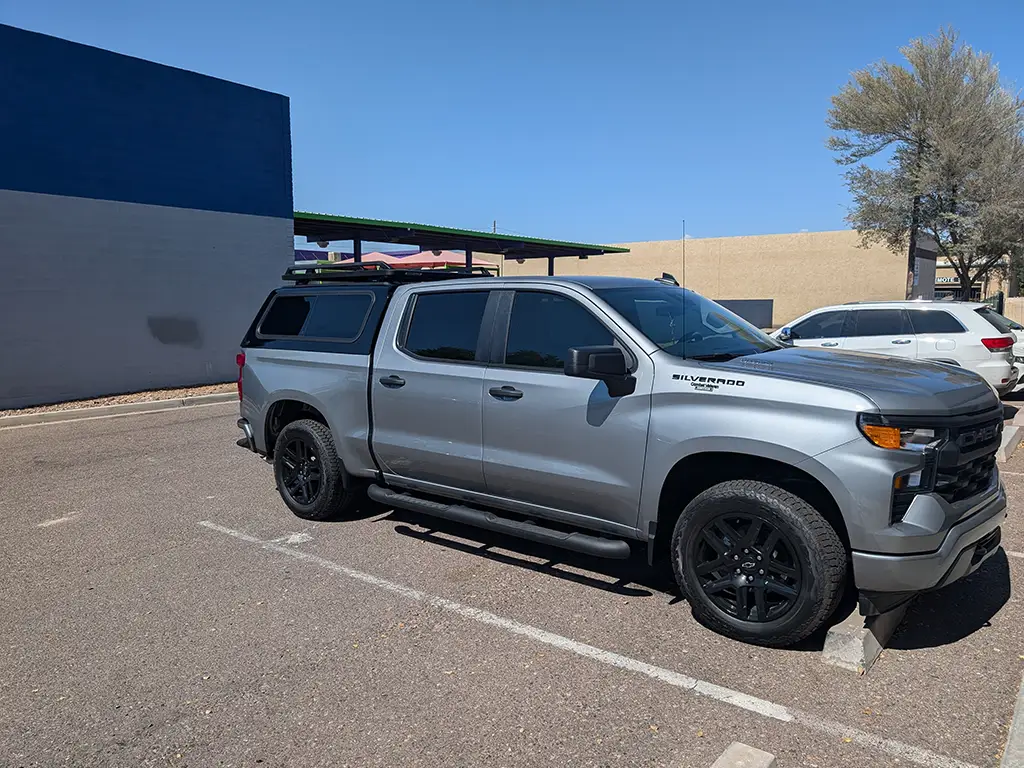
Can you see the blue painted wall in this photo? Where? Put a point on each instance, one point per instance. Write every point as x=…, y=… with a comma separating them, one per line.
x=84, y=122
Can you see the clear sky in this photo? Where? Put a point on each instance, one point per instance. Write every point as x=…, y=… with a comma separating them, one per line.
x=597, y=120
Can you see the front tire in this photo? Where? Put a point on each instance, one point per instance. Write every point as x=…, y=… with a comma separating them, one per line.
x=310, y=476
x=758, y=563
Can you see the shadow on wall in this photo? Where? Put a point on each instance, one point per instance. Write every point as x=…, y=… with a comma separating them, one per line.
x=180, y=331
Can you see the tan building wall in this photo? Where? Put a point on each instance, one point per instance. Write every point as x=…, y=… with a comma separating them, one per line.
x=799, y=271
x=1014, y=309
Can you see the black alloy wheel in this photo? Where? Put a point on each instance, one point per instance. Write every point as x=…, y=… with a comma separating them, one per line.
x=302, y=474
x=310, y=476
x=747, y=567
x=758, y=563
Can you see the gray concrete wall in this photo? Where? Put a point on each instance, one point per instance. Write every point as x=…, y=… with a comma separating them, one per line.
x=100, y=297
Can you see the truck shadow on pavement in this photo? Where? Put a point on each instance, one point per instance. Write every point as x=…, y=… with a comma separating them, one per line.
x=934, y=619
x=958, y=611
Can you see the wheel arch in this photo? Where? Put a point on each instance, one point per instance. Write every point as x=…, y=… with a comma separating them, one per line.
x=286, y=408
x=790, y=470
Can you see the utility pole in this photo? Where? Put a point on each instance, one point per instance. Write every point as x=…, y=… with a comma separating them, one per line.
x=494, y=227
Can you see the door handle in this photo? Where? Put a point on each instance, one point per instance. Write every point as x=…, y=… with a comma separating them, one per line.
x=506, y=392
x=830, y=344
x=901, y=341
x=392, y=381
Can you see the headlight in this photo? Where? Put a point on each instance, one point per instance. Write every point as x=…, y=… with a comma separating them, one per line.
x=885, y=435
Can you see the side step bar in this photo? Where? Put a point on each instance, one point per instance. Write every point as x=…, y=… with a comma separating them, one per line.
x=616, y=549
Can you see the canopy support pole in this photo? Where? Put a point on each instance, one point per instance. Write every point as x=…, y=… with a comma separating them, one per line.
x=469, y=259
x=357, y=250
x=551, y=266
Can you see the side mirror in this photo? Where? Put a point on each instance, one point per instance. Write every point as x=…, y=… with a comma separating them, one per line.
x=786, y=334
x=604, y=363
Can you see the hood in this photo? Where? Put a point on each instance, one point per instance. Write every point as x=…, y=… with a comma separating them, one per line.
x=896, y=385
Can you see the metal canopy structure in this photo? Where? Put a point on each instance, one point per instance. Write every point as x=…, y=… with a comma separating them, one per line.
x=325, y=228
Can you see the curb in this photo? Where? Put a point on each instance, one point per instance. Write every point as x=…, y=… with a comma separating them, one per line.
x=1013, y=754
x=98, y=412
x=857, y=642
x=1011, y=439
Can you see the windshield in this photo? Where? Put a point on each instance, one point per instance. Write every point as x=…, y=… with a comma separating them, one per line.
x=685, y=324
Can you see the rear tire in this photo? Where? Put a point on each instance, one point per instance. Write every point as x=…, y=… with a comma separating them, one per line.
x=758, y=563
x=310, y=477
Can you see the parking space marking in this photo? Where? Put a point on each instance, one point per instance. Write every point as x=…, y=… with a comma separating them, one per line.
x=1008, y=472
x=57, y=520
x=293, y=538
x=1014, y=554
x=831, y=728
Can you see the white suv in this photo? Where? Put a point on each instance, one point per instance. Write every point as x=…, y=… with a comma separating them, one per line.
x=965, y=334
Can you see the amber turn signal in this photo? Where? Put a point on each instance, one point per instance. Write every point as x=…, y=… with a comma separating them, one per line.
x=883, y=437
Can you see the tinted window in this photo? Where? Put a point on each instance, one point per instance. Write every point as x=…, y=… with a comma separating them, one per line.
x=934, y=321
x=821, y=326
x=878, y=322
x=446, y=326
x=338, y=315
x=286, y=316
x=997, y=321
x=543, y=327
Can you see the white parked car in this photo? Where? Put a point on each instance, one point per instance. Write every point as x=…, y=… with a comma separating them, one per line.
x=965, y=334
x=1018, y=352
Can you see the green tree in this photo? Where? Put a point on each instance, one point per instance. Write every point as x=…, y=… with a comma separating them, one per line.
x=946, y=140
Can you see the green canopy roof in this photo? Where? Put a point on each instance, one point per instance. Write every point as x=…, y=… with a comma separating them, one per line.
x=322, y=227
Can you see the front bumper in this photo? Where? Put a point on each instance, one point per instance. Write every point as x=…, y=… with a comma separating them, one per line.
x=966, y=546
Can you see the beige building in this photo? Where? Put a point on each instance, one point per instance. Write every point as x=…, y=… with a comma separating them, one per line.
x=799, y=271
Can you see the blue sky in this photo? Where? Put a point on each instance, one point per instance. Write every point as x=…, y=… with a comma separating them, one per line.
x=578, y=119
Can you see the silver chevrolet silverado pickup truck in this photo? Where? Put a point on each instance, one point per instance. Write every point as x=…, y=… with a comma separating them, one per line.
x=602, y=414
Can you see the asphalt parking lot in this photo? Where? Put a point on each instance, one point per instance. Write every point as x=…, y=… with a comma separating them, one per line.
x=162, y=607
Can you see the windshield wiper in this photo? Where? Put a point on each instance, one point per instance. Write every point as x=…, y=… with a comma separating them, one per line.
x=718, y=357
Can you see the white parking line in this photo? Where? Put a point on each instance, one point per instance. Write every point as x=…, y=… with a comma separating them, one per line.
x=57, y=520
x=738, y=699
x=1008, y=472
x=1014, y=554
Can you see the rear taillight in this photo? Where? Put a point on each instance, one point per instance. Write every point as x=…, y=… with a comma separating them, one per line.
x=998, y=343
x=240, y=359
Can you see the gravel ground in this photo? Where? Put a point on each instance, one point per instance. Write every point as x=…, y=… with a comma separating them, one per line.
x=132, y=397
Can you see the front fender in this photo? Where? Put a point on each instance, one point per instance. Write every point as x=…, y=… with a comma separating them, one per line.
x=668, y=457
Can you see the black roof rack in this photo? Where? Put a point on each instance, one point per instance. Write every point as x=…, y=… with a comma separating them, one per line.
x=376, y=272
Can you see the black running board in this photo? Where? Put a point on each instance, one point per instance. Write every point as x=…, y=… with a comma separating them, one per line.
x=616, y=549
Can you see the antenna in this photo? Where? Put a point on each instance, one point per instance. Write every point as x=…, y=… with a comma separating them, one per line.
x=683, y=249
x=682, y=291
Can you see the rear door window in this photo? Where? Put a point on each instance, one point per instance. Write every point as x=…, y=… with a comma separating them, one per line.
x=445, y=325
x=824, y=325
x=878, y=322
x=929, y=321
